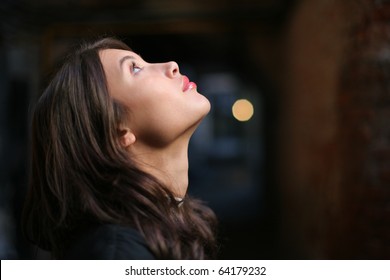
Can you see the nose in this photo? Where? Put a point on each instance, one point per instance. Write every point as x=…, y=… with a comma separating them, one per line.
x=172, y=69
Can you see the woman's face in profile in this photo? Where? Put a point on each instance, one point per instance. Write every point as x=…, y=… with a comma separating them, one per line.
x=163, y=104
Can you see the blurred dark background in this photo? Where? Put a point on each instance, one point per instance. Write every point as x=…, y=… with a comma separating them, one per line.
x=305, y=176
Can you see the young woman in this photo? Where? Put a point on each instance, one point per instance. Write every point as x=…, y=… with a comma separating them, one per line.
x=109, y=164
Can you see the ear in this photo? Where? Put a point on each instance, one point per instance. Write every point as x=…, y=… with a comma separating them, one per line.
x=126, y=137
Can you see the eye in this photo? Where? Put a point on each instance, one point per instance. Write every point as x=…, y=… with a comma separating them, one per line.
x=135, y=68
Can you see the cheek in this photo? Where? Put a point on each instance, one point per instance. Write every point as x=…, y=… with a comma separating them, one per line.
x=158, y=123
x=155, y=130
x=154, y=100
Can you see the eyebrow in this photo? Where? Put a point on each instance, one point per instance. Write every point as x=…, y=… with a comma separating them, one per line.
x=123, y=59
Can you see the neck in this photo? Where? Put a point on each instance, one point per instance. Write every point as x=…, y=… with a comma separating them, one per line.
x=168, y=164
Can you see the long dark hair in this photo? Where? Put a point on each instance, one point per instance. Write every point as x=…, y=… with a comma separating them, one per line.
x=80, y=173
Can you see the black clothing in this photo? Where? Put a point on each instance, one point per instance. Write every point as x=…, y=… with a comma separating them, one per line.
x=109, y=242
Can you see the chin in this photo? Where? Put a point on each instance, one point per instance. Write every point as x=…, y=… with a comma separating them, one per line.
x=203, y=107
x=201, y=115
x=207, y=106
x=204, y=112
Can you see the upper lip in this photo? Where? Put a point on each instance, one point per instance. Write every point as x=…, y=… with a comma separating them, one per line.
x=186, y=82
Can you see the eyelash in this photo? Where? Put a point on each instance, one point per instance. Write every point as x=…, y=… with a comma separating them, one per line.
x=134, y=68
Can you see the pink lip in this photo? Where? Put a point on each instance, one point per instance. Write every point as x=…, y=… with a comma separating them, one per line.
x=187, y=84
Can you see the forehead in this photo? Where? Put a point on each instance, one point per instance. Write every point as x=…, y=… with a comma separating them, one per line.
x=114, y=56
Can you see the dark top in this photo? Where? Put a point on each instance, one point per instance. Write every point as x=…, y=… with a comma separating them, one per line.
x=109, y=242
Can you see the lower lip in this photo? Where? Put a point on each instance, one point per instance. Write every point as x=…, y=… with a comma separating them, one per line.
x=190, y=85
